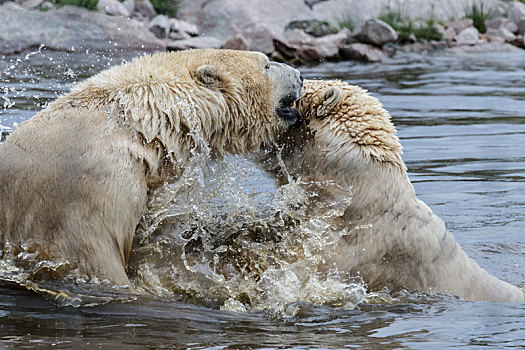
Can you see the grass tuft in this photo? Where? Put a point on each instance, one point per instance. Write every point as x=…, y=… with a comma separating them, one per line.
x=477, y=14
x=166, y=7
x=349, y=22
x=405, y=28
x=88, y=4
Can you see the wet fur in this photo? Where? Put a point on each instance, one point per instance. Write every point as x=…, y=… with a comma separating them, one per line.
x=74, y=178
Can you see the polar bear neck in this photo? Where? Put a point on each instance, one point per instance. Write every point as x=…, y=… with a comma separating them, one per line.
x=376, y=179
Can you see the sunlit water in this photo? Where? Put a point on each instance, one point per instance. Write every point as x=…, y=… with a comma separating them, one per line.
x=461, y=122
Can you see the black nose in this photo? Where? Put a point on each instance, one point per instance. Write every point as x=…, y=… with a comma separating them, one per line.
x=301, y=77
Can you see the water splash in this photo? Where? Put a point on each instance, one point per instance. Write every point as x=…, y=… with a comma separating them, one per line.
x=222, y=240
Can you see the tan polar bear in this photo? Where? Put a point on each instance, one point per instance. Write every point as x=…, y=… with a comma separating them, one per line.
x=74, y=178
x=394, y=240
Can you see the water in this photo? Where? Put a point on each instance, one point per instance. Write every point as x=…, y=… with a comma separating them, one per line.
x=460, y=120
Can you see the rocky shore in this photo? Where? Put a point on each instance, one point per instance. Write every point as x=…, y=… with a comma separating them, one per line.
x=294, y=30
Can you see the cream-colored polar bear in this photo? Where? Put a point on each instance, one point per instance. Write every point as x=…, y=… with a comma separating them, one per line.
x=394, y=240
x=74, y=178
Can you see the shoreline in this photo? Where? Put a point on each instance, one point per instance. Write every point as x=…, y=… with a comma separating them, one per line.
x=298, y=36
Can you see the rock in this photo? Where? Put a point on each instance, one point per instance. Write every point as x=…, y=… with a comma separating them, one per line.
x=129, y=5
x=502, y=23
x=376, y=32
x=468, y=36
x=113, y=8
x=237, y=43
x=259, y=23
x=503, y=33
x=519, y=41
x=199, y=42
x=29, y=4
x=313, y=27
x=297, y=44
x=145, y=9
x=160, y=26
x=71, y=28
x=459, y=26
x=517, y=15
x=450, y=34
x=182, y=29
x=361, y=52
x=46, y=6
x=516, y=12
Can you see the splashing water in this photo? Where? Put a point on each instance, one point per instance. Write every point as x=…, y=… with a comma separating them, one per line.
x=218, y=239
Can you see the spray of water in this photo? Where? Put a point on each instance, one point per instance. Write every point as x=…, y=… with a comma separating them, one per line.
x=226, y=236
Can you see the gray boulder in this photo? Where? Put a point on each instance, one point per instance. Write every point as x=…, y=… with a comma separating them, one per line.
x=144, y=9
x=313, y=27
x=502, y=23
x=180, y=29
x=376, y=32
x=259, y=23
x=29, y=4
x=361, y=52
x=129, y=5
x=502, y=33
x=459, y=26
x=237, y=43
x=160, y=26
x=468, y=36
x=449, y=34
x=296, y=44
x=517, y=15
x=113, y=8
x=70, y=29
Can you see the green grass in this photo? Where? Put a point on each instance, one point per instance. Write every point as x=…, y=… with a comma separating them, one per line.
x=428, y=31
x=349, y=22
x=392, y=18
x=406, y=29
x=88, y=4
x=477, y=14
x=166, y=7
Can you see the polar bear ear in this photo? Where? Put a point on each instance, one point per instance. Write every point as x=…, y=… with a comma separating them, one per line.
x=331, y=96
x=208, y=75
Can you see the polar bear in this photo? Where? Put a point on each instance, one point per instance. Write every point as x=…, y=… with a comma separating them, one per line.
x=75, y=177
x=393, y=239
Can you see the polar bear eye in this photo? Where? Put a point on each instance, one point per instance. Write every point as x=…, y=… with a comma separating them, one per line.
x=267, y=67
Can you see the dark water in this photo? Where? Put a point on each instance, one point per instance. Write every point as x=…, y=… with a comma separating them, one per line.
x=461, y=120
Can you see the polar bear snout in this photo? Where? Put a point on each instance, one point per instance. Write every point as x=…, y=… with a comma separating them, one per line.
x=288, y=82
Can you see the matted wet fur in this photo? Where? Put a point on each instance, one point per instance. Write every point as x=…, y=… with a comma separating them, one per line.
x=74, y=178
